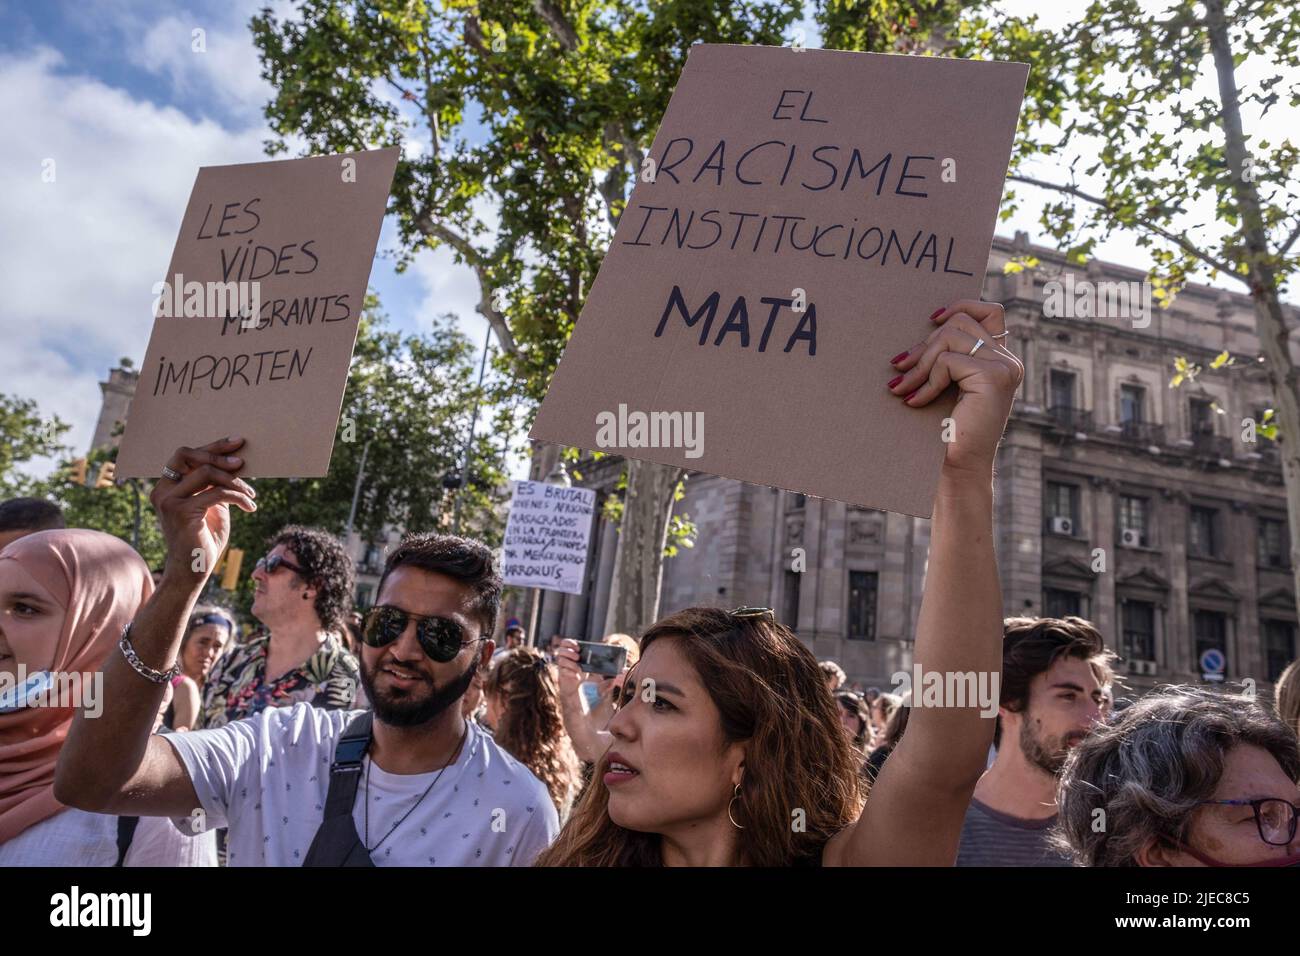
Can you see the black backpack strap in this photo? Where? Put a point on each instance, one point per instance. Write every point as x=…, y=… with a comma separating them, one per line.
x=125, y=834
x=345, y=771
x=336, y=842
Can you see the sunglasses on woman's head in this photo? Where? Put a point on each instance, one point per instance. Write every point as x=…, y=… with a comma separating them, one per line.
x=440, y=637
x=761, y=613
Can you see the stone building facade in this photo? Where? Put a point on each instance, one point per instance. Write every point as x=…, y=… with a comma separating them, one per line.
x=1117, y=497
x=116, y=395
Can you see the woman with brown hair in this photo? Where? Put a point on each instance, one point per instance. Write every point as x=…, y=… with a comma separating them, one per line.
x=727, y=748
x=523, y=708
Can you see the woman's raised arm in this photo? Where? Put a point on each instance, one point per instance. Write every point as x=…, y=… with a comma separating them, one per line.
x=914, y=814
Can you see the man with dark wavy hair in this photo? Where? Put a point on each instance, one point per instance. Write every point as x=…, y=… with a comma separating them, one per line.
x=1056, y=677
x=302, y=595
x=410, y=782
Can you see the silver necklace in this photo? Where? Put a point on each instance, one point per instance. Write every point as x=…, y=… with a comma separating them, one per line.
x=366, y=838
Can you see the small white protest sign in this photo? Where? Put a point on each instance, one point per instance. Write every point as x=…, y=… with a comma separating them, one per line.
x=547, y=536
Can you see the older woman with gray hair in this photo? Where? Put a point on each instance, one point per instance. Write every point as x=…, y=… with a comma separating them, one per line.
x=1186, y=776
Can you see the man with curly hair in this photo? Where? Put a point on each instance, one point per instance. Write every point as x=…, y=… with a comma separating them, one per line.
x=302, y=596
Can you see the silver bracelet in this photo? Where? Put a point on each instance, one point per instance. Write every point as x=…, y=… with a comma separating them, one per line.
x=139, y=666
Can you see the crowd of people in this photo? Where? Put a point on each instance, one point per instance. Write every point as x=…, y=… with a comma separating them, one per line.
x=322, y=735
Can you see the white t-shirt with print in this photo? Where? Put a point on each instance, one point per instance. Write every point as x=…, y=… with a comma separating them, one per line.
x=266, y=778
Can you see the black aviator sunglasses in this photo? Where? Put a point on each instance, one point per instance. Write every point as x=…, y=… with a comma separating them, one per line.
x=275, y=562
x=440, y=637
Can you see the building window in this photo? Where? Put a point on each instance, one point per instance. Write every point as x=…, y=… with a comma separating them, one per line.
x=1139, y=622
x=365, y=595
x=1211, y=632
x=1061, y=603
x=1274, y=551
x=1201, y=416
x=798, y=501
x=862, y=605
x=1279, y=646
x=1131, y=400
x=1062, y=508
x=1060, y=387
x=1133, y=520
x=790, y=609
x=1203, y=532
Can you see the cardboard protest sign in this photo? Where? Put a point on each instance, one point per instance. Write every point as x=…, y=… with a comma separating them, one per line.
x=257, y=316
x=800, y=215
x=547, y=535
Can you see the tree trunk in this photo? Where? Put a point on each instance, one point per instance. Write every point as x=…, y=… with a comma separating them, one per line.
x=1271, y=327
x=639, y=560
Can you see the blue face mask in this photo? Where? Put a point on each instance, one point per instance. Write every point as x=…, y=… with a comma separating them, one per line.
x=15, y=696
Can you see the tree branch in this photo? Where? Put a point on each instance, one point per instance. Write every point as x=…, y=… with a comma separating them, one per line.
x=555, y=19
x=475, y=260
x=1290, y=241
x=1182, y=242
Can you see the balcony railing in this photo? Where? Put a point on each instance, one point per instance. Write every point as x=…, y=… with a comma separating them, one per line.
x=1071, y=419
x=1269, y=453
x=1208, y=445
x=1144, y=433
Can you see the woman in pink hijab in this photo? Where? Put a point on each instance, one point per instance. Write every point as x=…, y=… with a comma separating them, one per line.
x=64, y=598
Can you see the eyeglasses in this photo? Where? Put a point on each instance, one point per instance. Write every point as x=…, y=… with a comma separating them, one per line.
x=275, y=562
x=439, y=637
x=750, y=613
x=1275, y=818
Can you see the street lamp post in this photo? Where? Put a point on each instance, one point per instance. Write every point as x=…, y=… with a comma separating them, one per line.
x=356, y=492
x=469, y=439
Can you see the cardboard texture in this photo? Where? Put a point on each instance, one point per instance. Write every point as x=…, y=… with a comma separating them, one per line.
x=305, y=230
x=547, y=536
x=864, y=224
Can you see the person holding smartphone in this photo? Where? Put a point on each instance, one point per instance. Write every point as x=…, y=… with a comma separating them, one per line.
x=727, y=748
x=586, y=698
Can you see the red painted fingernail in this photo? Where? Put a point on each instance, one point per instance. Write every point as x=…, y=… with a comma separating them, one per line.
x=938, y=312
x=899, y=357
x=894, y=382
x=908, y=398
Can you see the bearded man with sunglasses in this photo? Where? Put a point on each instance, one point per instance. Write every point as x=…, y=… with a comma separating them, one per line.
x=410, y=784
x=302, y=595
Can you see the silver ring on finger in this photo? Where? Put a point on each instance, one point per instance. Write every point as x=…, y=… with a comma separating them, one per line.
x=171, y=473
x=999, y=335
x=979, y=344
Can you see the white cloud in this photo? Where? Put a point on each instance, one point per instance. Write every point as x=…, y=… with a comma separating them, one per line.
x=228, y=61
x=81, y=254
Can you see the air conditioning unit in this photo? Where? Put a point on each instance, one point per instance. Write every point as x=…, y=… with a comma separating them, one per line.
x=1062, y=526
x=1147, y=668
x=1130, y=538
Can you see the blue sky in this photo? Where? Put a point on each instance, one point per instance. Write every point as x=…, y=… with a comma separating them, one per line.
x=116, y=96
x=113, y=93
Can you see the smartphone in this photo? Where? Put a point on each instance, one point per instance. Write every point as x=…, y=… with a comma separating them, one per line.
x=604, y=659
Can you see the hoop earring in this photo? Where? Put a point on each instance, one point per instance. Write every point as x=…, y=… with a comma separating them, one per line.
x=729, y=816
